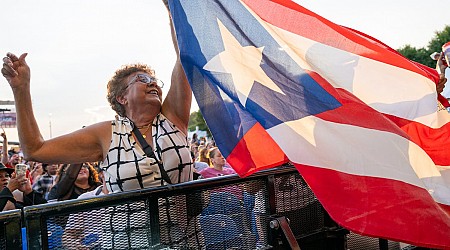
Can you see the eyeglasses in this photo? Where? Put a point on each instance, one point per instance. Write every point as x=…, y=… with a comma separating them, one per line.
x=146, y=79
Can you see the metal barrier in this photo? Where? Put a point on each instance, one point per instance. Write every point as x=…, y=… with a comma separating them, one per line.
x=10, y=229
x=219, y=213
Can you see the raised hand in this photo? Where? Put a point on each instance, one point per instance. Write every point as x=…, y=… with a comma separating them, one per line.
x=25, y=186
x=16, y=70
x=15, y=182
x=3, y=134
x=441, y=64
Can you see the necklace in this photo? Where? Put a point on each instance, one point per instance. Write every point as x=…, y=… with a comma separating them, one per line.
x=145, y=132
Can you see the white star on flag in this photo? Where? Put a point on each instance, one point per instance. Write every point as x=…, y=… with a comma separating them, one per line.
x=243, y=63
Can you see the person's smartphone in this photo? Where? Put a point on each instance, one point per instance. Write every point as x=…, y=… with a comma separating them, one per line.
x=21, y=169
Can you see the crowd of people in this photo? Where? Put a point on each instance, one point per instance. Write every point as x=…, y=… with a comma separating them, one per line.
x=50, y=182
x=146, y=145
x=56, y=182
x=42, y=182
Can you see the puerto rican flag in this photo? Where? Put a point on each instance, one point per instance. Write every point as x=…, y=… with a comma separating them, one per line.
x=277, y=83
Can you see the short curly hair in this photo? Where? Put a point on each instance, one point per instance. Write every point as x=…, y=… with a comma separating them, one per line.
x=116, y=87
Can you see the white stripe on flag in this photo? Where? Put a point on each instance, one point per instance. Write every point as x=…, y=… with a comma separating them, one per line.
x=360, y=151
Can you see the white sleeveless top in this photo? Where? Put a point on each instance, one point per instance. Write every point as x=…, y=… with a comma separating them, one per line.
x=126, y=167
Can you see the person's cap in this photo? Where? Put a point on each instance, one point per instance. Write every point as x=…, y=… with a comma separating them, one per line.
x=8, y=170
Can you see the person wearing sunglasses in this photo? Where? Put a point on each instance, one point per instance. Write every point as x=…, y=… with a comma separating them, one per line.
x=135, y=94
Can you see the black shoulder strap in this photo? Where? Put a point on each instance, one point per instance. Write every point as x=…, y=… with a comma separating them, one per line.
x=149, y=152
x=99, y=190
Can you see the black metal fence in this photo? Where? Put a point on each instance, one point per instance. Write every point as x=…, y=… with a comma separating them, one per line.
x=219, y=213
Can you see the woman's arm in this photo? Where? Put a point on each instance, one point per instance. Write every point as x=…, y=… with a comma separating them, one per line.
x=4, y=148
x=5, y=196
x=84, y=145
x=177, y=105
x=66, y=183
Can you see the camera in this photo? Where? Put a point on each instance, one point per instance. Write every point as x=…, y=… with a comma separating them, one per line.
x=21, y=169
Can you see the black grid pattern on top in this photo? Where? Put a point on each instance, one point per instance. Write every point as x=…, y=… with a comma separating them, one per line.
x=124, y=163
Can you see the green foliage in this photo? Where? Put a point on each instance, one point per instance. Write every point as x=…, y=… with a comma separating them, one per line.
x=422, y=55
x=196, y=119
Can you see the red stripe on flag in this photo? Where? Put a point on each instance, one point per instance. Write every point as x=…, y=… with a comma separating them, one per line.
x=434, y=141
x=305, y=21
x=354, y=111
x=347, y=200
x=256, y=151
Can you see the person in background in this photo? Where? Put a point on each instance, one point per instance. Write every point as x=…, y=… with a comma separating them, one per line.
x=441, y=66
x=36, y=172
x=135, y=94
x=13, y=161
x=47, y=180
x=203, y=157
x=218, y=163
x=74, y=180
x=16, y=191
x=195, y=139
x=194, y=149
x=9, y=158
x=210, y=144
x=4, y=156
x=198, y=166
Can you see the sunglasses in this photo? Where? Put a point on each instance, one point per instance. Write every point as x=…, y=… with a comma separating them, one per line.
x=146, y=79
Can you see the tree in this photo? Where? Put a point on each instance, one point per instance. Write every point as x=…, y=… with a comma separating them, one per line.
x=422, y=55
x=196, y=120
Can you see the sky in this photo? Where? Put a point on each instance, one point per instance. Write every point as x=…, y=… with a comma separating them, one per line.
x=74, y=46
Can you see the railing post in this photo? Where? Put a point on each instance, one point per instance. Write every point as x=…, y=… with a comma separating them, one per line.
x=13, y=230
x=282, y=222
x=34, y=239
x=154, y=220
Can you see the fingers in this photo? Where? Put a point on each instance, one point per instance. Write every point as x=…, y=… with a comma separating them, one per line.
x=8, y=65
x=12, y=57
x=22, y=58
x=441, y=85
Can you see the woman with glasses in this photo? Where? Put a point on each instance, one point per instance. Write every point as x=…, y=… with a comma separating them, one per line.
x=135, y=93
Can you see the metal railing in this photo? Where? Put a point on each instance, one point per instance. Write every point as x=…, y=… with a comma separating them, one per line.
x=216, y=213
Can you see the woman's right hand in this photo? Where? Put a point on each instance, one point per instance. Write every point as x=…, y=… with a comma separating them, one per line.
x=16, y=70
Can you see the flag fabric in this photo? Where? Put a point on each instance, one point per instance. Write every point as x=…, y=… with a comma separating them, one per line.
x=277, y=83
